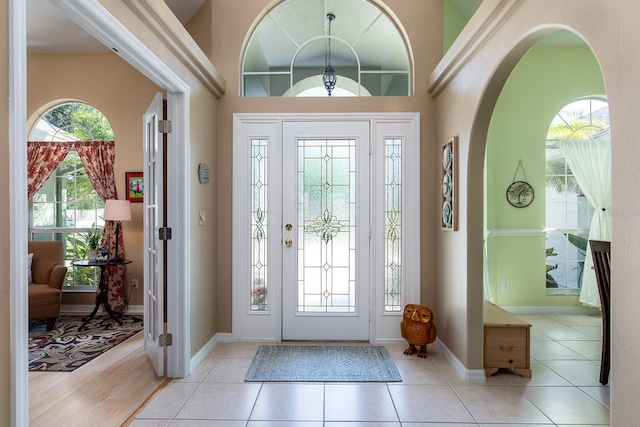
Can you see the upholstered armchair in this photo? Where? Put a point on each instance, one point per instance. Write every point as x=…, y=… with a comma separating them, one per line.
x=47, y=273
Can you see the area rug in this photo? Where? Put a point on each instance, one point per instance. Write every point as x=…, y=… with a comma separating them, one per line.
x=275, y=363
x=65, y=349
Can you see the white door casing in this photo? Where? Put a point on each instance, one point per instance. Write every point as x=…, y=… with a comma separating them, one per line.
x=325, y=251
x=154, y=248
x=264, y=323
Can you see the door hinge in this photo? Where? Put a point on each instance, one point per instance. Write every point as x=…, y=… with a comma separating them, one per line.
x=165, y=340
x=164, y=233
x=164, y=126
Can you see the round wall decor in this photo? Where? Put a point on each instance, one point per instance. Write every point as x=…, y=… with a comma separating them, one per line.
x=520, y=194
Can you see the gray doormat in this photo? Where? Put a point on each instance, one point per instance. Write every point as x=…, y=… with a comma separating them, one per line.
x=286, y=363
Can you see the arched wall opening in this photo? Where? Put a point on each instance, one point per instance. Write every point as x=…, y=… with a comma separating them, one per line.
x=486, y=185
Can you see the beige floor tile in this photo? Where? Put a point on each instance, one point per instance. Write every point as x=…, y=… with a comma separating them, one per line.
x=551, y=350
x=169, y=401
x=601, y=393
x=591, y=350
x=199, y=373
x=577, y=319
x=428, y=404
x=206, y=423
x=453, y=378
x=567, y=405
x=287, y=401
x=438, y=425
x=362, y=424
x=419, y=371
x=541, y=375
x=218, y=349
x=229, y=370
x=358, y=402
x=518, y=425
x=537, y=336
x=499, y=404
x=242, y=349
x=578, y=372
x=284, y=424
x=212, y=401
x=149, y=423
x=564, y=333
x=592, y=331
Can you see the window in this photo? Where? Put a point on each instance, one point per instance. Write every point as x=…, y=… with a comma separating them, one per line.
x=568, y=212
x=67, y=206
x=288, y=51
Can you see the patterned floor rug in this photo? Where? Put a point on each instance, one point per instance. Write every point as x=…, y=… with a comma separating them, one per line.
x=274, y=363
x=65, y=349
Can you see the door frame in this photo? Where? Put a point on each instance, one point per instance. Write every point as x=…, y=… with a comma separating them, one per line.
x=97, y=21
x=266, y=326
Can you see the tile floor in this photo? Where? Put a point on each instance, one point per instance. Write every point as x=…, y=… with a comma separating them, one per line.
x=564, y=390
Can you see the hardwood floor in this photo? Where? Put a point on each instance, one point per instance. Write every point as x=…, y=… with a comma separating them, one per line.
x=104, y=392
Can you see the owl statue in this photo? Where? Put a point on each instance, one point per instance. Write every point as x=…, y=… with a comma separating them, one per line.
x=418, y=328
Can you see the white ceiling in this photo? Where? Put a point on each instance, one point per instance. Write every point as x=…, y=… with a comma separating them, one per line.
x=50, y=31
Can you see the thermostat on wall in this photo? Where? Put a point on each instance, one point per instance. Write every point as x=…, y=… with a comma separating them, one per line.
x=203, y=173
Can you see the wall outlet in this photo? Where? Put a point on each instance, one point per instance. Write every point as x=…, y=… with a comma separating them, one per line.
x=134, y=283
x=505, y=286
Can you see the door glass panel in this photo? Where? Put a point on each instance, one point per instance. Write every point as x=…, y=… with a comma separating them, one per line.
x=393, y=225
x=259, y=225
x=326, y=235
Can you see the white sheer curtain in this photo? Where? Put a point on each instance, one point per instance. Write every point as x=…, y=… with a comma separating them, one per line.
x=590, y=162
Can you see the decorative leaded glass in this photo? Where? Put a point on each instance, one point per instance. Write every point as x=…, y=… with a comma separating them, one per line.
x=326, y=210
x=259, y=225
x=393, y=225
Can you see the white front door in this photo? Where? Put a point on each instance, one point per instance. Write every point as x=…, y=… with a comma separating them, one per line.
x=325, y=235
x=154, y=253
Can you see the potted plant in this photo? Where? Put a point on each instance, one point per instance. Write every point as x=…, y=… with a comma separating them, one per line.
x=92, y=240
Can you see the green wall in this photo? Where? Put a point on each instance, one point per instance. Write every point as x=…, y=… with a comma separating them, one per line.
x=454, y=22
x=544, y=81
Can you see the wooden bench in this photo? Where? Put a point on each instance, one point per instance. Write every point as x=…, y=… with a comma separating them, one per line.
x=506, y=341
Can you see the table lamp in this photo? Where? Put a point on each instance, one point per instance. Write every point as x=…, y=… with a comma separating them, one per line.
x=117, y=210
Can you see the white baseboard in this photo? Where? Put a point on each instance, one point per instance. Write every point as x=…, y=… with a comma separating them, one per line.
x=469, y=375
x=204, y=351
x=86, y=309
x=551, y=310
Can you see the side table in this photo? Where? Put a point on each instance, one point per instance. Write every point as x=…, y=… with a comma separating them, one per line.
x=103, y=291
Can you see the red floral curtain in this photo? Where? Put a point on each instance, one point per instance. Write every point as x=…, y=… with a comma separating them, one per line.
x=43, y=157
x=98, y=158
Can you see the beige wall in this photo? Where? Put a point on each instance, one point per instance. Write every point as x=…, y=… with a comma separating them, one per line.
x=422, y=21
x=122, y=94
x=5, y=244
x=464, y=108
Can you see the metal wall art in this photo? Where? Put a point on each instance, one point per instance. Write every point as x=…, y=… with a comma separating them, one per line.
x=448, y=176
x=520, y=194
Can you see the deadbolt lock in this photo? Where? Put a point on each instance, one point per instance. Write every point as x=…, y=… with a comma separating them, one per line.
x=288, y=227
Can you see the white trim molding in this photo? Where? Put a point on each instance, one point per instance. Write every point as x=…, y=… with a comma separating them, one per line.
x=267, y=325
x=469, y=375
x=489, y=17
x=106, y=28
x=18, y=212
x=515, y=232
x=168, y=28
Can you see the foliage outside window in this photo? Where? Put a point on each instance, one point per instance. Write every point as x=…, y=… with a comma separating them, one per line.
x=67, y=207
x=568, y=212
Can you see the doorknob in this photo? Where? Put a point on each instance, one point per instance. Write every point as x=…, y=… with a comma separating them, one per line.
x=288, y=242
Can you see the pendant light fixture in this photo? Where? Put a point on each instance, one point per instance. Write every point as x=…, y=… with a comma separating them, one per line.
x=329, y=76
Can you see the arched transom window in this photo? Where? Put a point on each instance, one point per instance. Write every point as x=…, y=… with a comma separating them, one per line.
x=292, y=45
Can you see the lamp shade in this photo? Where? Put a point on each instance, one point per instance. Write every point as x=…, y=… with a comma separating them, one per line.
x=117, y=210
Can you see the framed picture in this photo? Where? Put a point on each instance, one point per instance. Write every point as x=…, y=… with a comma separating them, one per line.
x=449, y=184
x=135, y=186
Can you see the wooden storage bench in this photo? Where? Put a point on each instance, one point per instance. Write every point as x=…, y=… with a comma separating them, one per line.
x=506, y=341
